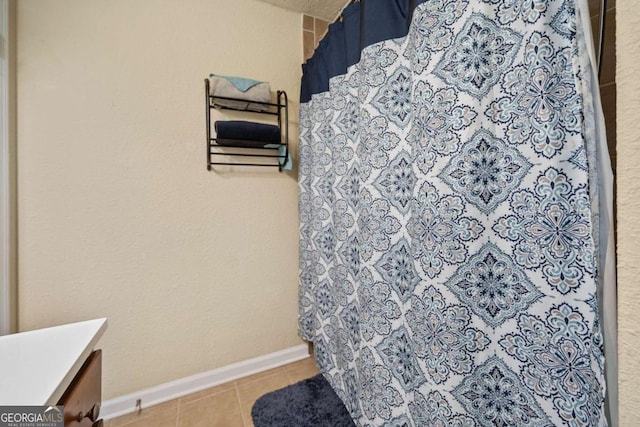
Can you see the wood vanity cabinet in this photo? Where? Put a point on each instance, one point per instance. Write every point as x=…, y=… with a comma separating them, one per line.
x=83, y=397
x=55, y=366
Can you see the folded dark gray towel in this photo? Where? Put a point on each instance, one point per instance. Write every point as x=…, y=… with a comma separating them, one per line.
x=241, y=133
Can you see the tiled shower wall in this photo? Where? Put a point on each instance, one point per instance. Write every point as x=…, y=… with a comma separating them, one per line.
x=608, y=73
x=312, y=31
x=607, y=80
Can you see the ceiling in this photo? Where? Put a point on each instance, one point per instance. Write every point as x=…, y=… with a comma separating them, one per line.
x=325, y=9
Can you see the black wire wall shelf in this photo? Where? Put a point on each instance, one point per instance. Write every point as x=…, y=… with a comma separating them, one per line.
x=221, y=149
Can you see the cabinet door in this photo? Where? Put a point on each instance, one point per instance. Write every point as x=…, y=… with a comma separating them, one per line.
x=84, y=395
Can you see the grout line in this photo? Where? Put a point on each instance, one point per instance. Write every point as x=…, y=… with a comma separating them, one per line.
x=206, y=396
x=235, y=387
x=609, y=9
x=245, y=381
x=178, y=412
x=289, y=380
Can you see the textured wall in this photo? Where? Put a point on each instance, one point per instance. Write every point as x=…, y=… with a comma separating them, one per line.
x=628, y=105
x=118, y=216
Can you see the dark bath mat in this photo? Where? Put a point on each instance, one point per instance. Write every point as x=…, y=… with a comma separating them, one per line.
x=311, y=402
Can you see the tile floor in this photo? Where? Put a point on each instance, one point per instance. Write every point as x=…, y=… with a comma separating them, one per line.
x=226, y=405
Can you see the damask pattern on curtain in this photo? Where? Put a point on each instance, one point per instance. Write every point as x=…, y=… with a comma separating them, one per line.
x=449, y=215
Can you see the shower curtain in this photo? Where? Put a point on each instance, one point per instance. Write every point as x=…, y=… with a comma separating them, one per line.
x=455, y=214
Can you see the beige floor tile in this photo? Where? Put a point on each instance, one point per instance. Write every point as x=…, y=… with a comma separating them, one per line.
x=207, y=392
x=217, y=410
x=301, y=370
x=246, y=414
x=259, y=375
x=249, y=392
x=167, y=410
x=248, y=422
x=155, y=420
x=224, y=405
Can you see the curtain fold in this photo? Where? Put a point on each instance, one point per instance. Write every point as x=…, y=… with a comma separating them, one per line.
x=337, y=59
x=384, y=20
x=452, y=214
x=351, y=20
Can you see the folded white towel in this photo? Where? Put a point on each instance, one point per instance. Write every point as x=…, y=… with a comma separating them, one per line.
x=229, y=87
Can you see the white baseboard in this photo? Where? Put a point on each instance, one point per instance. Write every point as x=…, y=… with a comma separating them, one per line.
x=122, y=405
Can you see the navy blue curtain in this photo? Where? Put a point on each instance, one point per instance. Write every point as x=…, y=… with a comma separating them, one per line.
x=351, y=20
x=364, y=23
x=384, y=20
x=336, y=57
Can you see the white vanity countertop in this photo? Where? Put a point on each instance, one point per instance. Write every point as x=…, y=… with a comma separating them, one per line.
x=36, y=367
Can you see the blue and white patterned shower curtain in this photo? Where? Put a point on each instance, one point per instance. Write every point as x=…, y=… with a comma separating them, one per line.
x=451, y=214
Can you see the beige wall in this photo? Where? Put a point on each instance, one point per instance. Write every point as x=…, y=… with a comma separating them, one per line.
x=628, y=105
x=118, y=216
